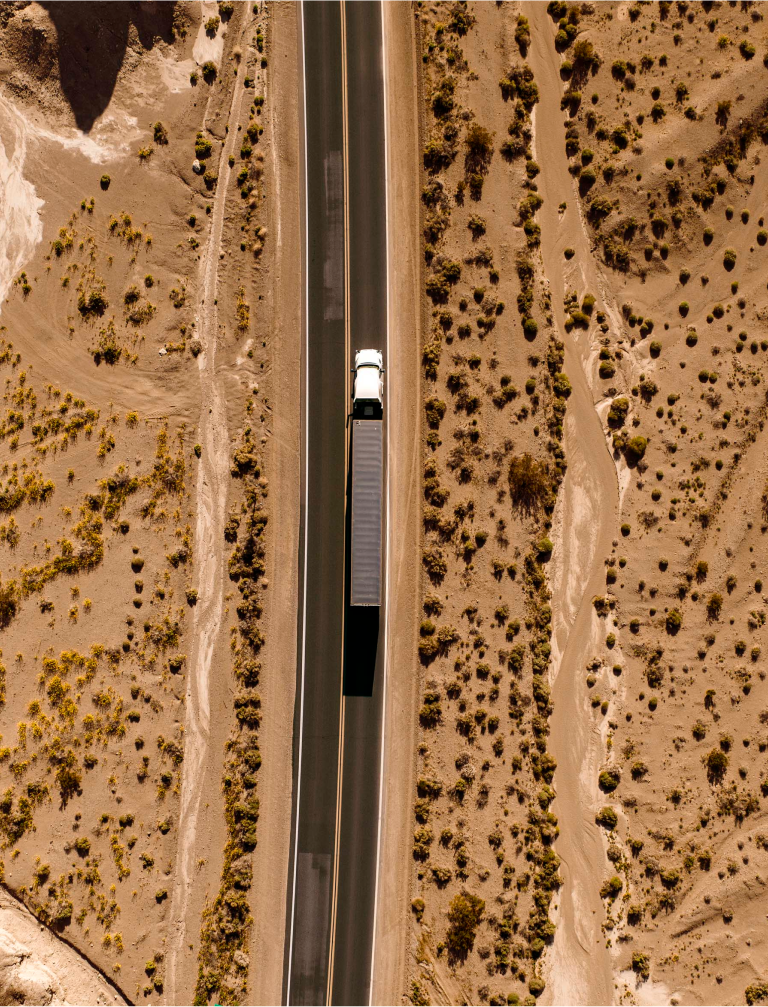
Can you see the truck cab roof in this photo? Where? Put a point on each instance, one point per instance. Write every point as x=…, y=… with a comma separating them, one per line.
x=368, y=391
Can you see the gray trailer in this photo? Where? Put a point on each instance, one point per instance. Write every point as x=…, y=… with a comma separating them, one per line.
x=367, y=504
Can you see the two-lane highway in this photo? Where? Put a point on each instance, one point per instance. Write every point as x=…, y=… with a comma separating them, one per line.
x=342, y=650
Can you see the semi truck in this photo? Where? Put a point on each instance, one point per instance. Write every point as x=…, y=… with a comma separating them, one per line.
x=367, y=478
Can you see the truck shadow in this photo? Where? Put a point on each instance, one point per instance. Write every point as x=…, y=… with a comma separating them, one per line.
x=361, y=623
x=92, y=41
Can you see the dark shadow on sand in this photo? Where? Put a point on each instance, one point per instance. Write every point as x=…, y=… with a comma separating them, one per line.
x=92, y=40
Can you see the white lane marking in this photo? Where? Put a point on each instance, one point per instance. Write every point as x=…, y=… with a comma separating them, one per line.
x=306, y=502
x=386, y=581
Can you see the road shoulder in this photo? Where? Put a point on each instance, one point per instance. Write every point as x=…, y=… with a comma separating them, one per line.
x=401, y=95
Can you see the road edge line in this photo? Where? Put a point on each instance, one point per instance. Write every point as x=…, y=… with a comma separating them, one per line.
x=306, y=508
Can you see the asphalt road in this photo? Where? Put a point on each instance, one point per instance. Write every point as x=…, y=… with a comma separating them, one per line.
x=329, y=937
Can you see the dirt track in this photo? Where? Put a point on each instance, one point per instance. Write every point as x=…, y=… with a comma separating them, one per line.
x=212, y=482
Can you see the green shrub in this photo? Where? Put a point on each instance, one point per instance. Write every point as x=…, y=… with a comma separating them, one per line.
x=717, y=764
x=464, y=915
x=607, y=817
x=714, y=606
x=203, y=149
x=673, y=621
x=611, y=887
x=530, y=484
x=536, y=986
x=609, y=780
x=756, y=992
x=617, y=414
x=94, y=304
x=634, y=450
x=9, y=601
x=641, y=964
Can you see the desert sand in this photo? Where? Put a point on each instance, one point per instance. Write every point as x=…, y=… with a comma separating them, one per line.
x=576, y=722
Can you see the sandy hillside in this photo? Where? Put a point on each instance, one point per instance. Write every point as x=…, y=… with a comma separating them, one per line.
x=136, y=453
x=594, y=835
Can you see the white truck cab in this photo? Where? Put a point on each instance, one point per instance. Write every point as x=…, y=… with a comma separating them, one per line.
x=368, y=388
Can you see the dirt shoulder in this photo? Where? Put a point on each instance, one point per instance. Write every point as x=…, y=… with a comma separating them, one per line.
x=283, y=301
x=404, y=497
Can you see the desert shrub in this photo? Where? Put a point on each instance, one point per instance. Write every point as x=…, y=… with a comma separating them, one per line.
x=523, y=34
x=159, y=133
x=714, y=606
x=431, y=712
x=464, y=915
x=94, y=304
x=435, y=411
x=530, y=328
x=756, y=992
x=673, y=621
x=587, y=179
x=641, y=964
x=607, y=817
x=104, y=181
x=529, y=484
x=617, y=414
x=611, y=887
x=729, y=258
x=561, y=386
x=634, y=450
x=9, y=600
x=203, y=147
x=442, y=97
x=68, y=776
x=609, y=780
x=209, y=71
x=717, y=764
x=479, y=146
x=435, y=564
x=536, y=986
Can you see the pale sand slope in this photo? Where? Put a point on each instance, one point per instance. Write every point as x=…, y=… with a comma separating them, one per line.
x=37, y=968
x=22, y=227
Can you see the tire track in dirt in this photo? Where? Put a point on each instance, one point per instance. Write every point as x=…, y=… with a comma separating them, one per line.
x=212, y=486
x=586, y=521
